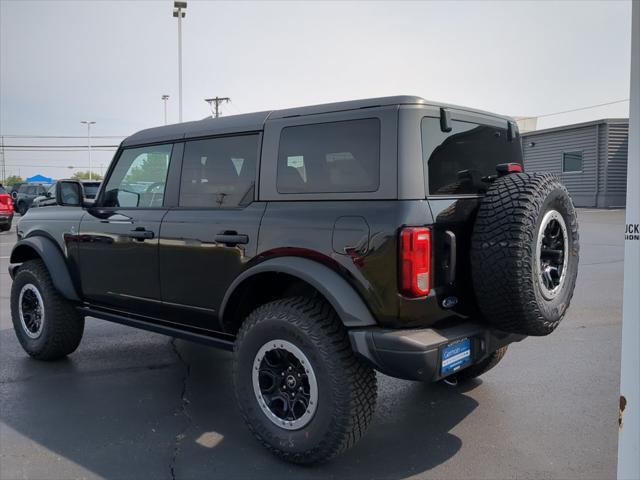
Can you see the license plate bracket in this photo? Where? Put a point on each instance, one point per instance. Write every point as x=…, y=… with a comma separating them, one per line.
x=456, y=356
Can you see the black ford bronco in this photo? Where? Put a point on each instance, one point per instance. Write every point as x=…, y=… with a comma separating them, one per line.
x=318, y=244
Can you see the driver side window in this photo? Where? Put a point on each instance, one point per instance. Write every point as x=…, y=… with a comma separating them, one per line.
x=139, y=178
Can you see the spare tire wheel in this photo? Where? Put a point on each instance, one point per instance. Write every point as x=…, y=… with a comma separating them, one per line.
x=524, y=253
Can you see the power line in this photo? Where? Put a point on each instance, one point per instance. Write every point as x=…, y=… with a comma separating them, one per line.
x=60, y=146
x=74, y=150
x=576, y=109
x=63, y=136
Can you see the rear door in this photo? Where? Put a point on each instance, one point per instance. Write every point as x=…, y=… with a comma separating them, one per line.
x=118, y=241
x=208, y=238
x=459, y=166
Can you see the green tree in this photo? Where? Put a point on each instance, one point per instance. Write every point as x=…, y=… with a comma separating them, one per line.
x=150, y=167
x=85, y=176
x=12, y=180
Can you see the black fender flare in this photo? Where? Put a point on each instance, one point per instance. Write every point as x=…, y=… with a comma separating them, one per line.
x=336, y=290
x=53, y=259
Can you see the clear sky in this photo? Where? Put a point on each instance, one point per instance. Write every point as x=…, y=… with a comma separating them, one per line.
x=62, y=62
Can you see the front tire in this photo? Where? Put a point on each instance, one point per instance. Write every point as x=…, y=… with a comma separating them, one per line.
x=298, y=346
x=47, y=325
x=21, y=208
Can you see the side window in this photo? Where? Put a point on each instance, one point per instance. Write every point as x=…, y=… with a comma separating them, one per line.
x=335, y=157
x=571, y=162
x=139, y=178
x=219, y=172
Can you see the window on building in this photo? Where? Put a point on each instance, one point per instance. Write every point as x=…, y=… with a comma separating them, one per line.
x=571, y=162
x=219, y=172
x=334, y=157
x=463, y=160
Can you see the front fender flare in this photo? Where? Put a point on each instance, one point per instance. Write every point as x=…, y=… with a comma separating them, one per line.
x=336, y=290
x=53, y=259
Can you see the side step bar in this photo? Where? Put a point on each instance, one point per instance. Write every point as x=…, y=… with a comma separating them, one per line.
x=160, y=327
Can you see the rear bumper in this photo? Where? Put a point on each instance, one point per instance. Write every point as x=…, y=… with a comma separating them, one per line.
x=415, y=354
x=6, y=218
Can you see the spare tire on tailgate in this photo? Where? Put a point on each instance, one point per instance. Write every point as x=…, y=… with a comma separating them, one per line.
x=524, y=253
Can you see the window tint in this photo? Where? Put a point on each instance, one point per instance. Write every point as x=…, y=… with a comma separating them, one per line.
x=219, y=172
x=330, y=157
x=459, y=161
x=572, y=162
x=139, y=178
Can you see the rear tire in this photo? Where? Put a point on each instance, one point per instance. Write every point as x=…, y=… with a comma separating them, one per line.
x=47, y=325
x=336, y=393
x=482, y=367
x=524, y=253
x=5, y=227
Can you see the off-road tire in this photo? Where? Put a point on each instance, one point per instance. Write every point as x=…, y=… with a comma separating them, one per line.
x=482, y=367
x=21, y=208
x=347, y=388
x=503, y=253
x=62, y=327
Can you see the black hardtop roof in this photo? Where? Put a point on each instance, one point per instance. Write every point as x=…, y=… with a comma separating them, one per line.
x=255, y=121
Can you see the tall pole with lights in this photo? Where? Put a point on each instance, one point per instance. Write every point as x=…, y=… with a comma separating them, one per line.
x=179, y=13
x=164, y=99
x=88, y=123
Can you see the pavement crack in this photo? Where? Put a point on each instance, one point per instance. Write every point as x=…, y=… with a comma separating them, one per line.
x=182, y=410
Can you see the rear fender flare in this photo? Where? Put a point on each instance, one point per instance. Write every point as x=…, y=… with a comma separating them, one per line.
x=336, y=290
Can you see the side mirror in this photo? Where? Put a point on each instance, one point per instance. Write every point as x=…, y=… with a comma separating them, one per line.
x=69, y=193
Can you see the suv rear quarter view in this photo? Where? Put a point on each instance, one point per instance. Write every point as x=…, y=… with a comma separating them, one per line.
x=318, y=244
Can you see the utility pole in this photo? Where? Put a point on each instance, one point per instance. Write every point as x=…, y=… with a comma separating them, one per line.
x=215, y=110
x=88, y=123
x=179, y=13
x=164, y=99
x=629, y=431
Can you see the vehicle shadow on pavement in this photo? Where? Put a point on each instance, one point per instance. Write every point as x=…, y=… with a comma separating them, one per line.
x=130, y=404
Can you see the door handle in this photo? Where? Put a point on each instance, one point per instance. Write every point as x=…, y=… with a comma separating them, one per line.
x=231, y=238
x=141, y=233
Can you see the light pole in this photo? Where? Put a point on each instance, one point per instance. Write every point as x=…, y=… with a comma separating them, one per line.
x=179, y=13
x=164, y=99
x=88, y=123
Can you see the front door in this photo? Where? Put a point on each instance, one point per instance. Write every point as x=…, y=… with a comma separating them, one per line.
x=207, y=240
x=118, y=247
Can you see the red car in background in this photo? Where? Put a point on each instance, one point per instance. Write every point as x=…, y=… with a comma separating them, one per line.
x=6, y=210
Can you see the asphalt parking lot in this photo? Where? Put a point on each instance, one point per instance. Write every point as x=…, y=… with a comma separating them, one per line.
x=132, y=404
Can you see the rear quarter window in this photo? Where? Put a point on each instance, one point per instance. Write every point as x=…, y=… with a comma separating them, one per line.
x=332, y=157
x=459, y=162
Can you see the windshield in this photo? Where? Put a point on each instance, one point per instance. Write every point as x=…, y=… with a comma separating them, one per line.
x=459, y=161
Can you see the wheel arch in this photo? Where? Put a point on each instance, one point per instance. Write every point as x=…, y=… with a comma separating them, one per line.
x=39, y=247
x=294, y=276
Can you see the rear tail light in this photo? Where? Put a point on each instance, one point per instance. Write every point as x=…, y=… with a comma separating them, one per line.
x=415, y=261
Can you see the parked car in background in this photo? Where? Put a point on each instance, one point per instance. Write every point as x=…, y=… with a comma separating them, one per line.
x=89, y=188
x=13, y=189
x=6, y=210
x=27, y=193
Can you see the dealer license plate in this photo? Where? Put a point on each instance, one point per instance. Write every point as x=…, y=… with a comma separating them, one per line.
x=456, y=355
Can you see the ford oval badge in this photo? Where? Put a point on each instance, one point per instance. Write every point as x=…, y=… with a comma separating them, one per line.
x=449, y=302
